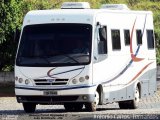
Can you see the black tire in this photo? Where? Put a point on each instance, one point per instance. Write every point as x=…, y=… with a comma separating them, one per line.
x=73, y=106
x=92, y=106
x=78, y=106
x=29, y=107
x=134, y=103
x=68, y=107
x=131, y=104
x=123, y=105
x=100, y=97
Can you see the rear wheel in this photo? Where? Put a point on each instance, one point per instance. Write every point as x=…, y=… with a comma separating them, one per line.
x=123, y=105
x=132, y=104
x=29, y=107
x=92, y=106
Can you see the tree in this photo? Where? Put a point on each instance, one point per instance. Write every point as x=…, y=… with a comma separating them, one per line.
x=10, y=19
x=12, y=13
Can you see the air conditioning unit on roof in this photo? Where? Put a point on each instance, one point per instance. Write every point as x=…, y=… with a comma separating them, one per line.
x=75, y=5
x=115, y=7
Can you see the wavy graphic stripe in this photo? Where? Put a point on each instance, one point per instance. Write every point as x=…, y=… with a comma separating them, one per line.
x=48, y=73
x=139, y=73
x=52, y=75
x=121, y=73
x=144, y=25
x=133, y=56
x=142, y=34
x=62, y=88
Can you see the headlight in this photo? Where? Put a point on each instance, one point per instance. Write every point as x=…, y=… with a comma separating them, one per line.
x=27, y=81
x=87, y=77
x=81, y=79
x=74, y=81
x=16, y=78
x=20, y=80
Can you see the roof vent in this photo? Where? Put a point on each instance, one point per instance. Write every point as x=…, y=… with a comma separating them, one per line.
x=114, y=7
x=75, y=5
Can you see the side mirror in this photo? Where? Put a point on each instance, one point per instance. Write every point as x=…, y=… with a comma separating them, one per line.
x=103, y=33
x=102, y=45
x=16, y=35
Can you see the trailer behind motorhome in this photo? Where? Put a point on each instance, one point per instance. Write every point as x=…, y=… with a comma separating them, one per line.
x=79, y=56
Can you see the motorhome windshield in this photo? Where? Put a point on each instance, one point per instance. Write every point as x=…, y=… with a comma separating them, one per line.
x=55, y=45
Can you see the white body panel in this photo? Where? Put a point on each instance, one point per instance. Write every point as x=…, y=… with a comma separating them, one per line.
x=121, y=83
x=118, y=73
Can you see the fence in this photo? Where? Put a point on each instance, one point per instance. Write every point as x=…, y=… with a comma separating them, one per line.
x=6, y=77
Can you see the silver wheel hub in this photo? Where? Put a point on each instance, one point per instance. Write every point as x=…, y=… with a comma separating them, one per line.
x=96, y=100
x=137, y=95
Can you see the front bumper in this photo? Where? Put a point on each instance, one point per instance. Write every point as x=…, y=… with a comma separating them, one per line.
x=55, y=99
x=67, y=94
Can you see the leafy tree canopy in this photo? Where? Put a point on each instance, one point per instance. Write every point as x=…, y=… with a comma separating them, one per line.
x=12, y=13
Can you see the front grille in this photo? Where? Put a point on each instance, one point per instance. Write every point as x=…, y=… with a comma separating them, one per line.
x=51, y=81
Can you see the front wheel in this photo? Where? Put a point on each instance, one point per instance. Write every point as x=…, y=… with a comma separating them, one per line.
x=29, y=107
x=134, y=103
x=92, y=106
x=73, y=106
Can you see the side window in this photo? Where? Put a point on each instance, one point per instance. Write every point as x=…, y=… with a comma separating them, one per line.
x=116, y=42
x=127, y=37
x=102, y=43
x=139, y=37
x=150, y=39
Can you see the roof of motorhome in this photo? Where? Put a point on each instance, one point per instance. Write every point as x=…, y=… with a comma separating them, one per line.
x=82, y=11
x=70, y=15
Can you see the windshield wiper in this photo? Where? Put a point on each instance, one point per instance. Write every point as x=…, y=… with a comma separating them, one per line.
x=44, y=58
x=71, y=58
x=68, y=56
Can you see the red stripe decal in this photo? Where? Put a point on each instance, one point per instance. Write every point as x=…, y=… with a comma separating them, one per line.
x=139, y=72
x=49, y=73
x=134, y=58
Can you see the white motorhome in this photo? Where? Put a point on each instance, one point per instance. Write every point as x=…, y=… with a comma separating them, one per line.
x=79, y=56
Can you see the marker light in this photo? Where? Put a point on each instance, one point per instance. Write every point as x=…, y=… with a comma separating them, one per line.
x=81, y=79
x=27, y=81
x=87, y=77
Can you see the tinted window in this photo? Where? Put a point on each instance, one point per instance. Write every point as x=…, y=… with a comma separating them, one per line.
x=55, y=45
x=127, y=37
x=150, y=39
x=139, y=37
x=116, y=42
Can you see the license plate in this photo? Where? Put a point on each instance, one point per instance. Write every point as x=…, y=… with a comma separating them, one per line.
x=50, y=93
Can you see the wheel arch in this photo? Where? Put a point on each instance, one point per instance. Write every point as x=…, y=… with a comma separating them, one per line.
x=138, y=84
x=139, y=87
x=100, y=91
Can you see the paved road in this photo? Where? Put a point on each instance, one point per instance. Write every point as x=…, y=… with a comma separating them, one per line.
x=149, y=108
